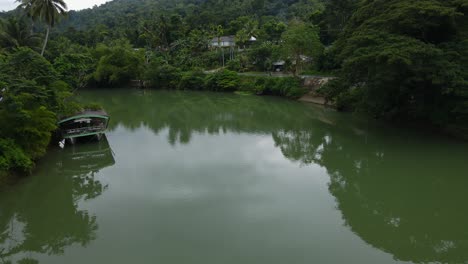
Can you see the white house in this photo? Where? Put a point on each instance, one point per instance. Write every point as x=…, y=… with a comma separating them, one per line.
x=224, y=41
x=227, y=41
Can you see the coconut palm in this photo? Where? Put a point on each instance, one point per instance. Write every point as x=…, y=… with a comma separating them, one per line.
x=15, y=33
x=47, y=11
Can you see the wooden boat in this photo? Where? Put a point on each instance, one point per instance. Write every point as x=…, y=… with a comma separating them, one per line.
x=88, y=123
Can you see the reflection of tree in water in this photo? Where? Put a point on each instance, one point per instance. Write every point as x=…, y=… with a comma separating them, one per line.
x=401, y=198
x=42, y=215
x=198, y=112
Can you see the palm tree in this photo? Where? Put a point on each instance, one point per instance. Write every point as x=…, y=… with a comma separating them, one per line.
x=47, y=11
x=15, y=33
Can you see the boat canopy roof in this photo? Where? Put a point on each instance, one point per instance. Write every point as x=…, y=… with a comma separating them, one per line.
x=86, y=114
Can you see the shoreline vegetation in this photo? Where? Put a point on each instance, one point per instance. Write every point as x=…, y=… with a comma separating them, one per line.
x=394, y=60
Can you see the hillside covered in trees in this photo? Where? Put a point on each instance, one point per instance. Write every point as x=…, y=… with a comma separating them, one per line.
x=394, y=59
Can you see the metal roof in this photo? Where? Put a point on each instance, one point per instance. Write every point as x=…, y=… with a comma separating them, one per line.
x=86, y=113
x=224, y=39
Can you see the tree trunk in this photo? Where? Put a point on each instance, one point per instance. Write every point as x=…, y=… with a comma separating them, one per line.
x=222, y=50
x=45, y=41
x=297, y=66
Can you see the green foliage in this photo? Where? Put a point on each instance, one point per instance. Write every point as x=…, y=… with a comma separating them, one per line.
x=15, y=33
x=262, y=56
x=125, y=14
x=222, y=81
x=271, y=29
x=62, y=46
x=28, y=64
x=332, y=90
x=304, y=8
x=118, y=66
x=301, y=39
x=74, y=68
x=47, y=11
x=234, y=65
x=333, y=19
x=162, y=75
x=286, y=87
x=32, y=99
x=193, y=80
x=12, y=157
x=405, y=60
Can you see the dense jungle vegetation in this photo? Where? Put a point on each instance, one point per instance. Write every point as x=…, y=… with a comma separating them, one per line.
x=396, y=59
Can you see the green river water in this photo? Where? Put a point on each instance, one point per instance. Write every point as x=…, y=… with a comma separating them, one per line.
x=206, y=178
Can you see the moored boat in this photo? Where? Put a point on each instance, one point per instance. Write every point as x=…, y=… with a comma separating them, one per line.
x=88, y=123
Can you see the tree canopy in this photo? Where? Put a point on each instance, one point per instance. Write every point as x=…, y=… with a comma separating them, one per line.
x=405, y=60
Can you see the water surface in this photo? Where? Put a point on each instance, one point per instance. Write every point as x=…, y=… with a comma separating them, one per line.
x=186, y=177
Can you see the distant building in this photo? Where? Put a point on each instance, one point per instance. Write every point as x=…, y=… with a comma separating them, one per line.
x=278, y=66
x=228, y=41
x=224, y=42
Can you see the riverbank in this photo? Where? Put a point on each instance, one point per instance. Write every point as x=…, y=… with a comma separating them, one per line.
x=285, y=85
x=225, y=81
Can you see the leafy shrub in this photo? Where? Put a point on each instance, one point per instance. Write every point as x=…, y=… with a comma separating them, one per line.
x=223, y=81
x=234, y=65
x=192, y=80
x=28, y=64
x=162, y=75
x=287, y=87
x=12, y=157
x=74, y=68
x=247, y=84
x=118, y=67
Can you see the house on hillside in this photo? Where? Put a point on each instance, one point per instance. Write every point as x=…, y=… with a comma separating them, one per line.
x=279, y=66
x=228, y=41
x=223, y=42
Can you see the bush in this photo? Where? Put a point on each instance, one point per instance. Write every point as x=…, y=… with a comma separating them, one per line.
x=234, y=65
x=118, y=67
x=192, y=80
x=287, y=87
x=29, y=108
x=74, y=68
x=162, y=75
x=12, y=157
x=223, y=81
x=28, y=64
x=247, y=84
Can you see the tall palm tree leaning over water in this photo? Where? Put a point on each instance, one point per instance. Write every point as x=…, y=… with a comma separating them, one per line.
x=47, y=11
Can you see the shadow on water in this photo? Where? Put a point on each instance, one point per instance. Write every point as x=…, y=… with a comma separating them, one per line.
x=400, y=191
x=44, y=217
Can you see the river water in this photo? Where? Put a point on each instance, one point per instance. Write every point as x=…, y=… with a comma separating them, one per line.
x=193, y=177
